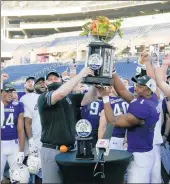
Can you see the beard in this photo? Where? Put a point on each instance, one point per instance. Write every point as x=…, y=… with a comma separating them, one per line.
x=29, y=90
x=40, y=90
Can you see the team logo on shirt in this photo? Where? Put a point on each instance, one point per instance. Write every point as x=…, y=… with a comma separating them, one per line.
x=134, y=100
x=68, y=100
x=83, y=128
x=9, y=110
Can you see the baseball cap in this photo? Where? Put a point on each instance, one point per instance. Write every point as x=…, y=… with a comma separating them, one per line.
x=145, y=81
x=39, y=79
x=30, y=77
x=53, y=72
x=8, y=87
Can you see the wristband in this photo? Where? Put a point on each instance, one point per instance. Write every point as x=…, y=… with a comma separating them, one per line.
x=106, y=99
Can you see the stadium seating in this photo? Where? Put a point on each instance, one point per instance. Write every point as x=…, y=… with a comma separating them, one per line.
x=18, y=73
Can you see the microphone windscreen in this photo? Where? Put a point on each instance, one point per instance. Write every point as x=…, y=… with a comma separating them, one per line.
x=108, y=132
x=63, y=149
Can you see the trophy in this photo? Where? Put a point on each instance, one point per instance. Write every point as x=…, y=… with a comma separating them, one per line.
x=100, y=55
x=84, y=141
x=100, y=59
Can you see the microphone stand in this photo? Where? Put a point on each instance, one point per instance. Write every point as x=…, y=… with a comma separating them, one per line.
x=101, y=161
x=102, y=169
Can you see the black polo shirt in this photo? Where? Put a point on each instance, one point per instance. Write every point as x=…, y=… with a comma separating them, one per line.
x=58, y=120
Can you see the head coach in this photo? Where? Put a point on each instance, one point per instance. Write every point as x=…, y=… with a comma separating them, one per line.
x=57, y=114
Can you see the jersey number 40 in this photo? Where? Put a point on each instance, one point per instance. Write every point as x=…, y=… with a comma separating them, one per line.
x=120, y=108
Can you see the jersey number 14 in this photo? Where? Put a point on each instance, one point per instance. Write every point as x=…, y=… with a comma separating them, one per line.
x=9, y=121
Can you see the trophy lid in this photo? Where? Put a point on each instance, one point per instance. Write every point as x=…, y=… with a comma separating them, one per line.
x=100, y=44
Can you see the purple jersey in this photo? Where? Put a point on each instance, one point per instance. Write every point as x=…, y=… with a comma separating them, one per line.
x=9, y=128
x=20, y=94
x=119, y=106
x=132, y=89
x=91, y=112
x=140, y=138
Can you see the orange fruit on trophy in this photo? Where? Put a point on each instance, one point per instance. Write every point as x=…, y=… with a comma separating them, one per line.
x=94, y=31
x=92, y=26
x=63, y=149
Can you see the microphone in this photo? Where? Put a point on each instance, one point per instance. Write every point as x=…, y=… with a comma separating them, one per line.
x=102, y=148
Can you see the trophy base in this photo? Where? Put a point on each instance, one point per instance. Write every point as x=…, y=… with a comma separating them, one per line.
x=82, y=157
x=84, y=148
x=98, y=80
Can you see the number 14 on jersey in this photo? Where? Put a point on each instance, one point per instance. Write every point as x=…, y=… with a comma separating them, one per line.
x=9, y=121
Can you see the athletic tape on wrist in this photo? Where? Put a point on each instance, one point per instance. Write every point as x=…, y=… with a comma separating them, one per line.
x=106, y=99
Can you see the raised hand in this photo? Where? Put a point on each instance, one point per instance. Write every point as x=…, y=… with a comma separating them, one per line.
x=4, y=76
x=102, y=90
x=86, y=71
x=166, y=60
x=65, y=73
x=144, y=57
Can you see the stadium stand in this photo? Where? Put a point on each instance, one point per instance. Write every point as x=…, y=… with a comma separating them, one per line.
x=18, y=73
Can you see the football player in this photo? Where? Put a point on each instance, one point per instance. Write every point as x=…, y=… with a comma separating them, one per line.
x=91, y=112
x=33, y=125
x=12, y=130
x=119, y=106
x=140, y=121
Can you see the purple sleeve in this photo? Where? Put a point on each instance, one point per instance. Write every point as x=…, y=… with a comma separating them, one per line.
x=139, y=109
x=85, y=91
x=164, y=107
x=21, y=107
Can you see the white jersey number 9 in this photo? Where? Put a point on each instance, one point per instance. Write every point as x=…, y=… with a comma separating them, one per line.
x=94, y=108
